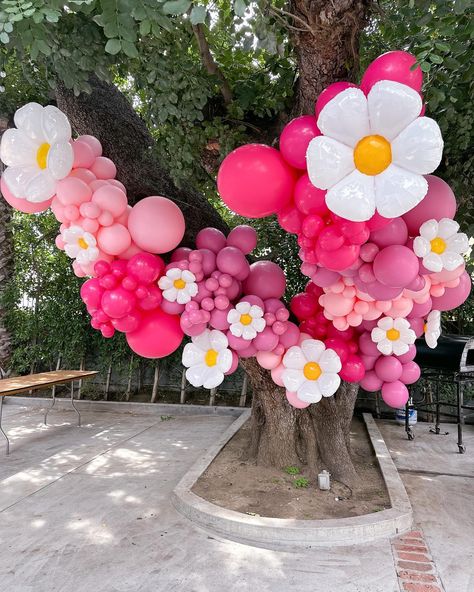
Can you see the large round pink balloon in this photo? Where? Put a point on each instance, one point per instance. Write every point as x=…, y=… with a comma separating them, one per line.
x=22, y=205
x=393, y=233
x=158, y=335
x=294, y=140
x=255, y=181
x=156, y=224
x=396, y=266
x=266, y=280
x=438, y=203
x=396, y=66
x=395, y=394
x=388, y=368
x=454, y=297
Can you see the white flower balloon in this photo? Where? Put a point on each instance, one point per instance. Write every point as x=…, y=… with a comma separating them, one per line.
x=207, y=359
x=440, y=245
x=393, y=336
x=246, y=320
x=432, y=328
x=80, y=245
x=178, y=285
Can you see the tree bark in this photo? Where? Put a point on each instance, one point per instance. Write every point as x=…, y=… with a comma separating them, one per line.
x=6, y=272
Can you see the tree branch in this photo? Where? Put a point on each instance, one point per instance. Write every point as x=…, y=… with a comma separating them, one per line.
x=209, y=62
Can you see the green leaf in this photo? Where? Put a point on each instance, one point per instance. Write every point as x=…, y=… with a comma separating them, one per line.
x=176, y=6
x=113, y=46
x=425, y=66
x=198, y=15
x=8, y=27
x=436, y=59
x=240, y=7
x=145, y=27
x=4, y=37
x=129, y=49
x=43, y=47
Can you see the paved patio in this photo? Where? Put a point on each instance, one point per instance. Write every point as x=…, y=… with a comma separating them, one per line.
x=87, y=509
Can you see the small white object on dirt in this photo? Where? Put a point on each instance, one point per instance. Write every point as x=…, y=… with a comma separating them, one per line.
x=324, y=481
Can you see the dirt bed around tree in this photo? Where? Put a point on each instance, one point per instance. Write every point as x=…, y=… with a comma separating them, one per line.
x=245, y=487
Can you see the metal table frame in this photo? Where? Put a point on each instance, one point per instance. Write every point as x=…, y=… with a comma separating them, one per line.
x=460, y=379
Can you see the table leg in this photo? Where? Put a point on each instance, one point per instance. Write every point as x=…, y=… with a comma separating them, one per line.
x=49, y=408
x=72, y=403
x=1, y=429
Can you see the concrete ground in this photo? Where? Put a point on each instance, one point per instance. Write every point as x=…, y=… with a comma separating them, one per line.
x=87, y=510
x=440, y=484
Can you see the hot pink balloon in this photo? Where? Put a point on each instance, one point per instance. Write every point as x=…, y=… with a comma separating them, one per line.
x=114, y=239
x=266, y=280
x=145, y=267
x=243, y=237
x=295, y=402
x=308, y=198
x=377, y=222
x=396, y=66
x=91, y=293
x=454, y=297
x=158, y=335
x=353, y=369
x=156, y=224
x=396, y=266
x=395, y=394
x=294, y=140
x=255, y=181
x=411, y=373
x=388, y=368
x=337, y=260
x=290, y=218
x=118, y=302
x=330, y=92
x=22, y=205
x=127, y=323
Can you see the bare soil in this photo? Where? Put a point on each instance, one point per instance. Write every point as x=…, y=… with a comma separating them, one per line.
x=243, y=486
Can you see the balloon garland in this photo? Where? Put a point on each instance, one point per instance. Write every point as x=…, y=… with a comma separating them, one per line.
x=375, y=229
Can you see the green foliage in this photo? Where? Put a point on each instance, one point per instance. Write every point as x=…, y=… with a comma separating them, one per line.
x=301, y=483
x=292, y=470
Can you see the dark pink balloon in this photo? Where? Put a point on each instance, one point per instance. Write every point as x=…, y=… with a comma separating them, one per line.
x=267, y=340
x=304, y=306
x=377, y=222
x=410, y=355
x=145, y=267
x=291, y=336
x=417, y=325
x=234, y=366
x=371, y=382
x=421, y=310
x=340, y=346
x=158, y=335
x=352, y=369
x=330, y=92
x=232, y=261
x=266, y=280
x=290, y=218
x=396, y=66
x=127, y=323
x=243, y=237
x=308, y=198
x=255, y=181
x=388, y=368
x=118, y=302
x=454, y=297
x=411, y=373
x=393, y=233
x=210, y=238
x=367, y=346
x=396, y=266
x=91, y=293
x=294, y=140
x=180, y=253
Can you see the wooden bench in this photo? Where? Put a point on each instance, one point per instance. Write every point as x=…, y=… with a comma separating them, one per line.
x=43, y=380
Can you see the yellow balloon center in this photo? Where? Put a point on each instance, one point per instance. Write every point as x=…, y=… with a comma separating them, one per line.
x=393, y=334
x=312, y=371
x=425, y=327
x=179, y=284
x=82, y=243
x=438, y=245
x=211, y=357
x=42, y=155
x=245, y=319
x=372, y=155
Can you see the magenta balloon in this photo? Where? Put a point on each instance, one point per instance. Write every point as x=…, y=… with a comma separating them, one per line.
x=304, y=306
x=396, y=266
x=395, y=394
x=180, y=254
x=308, y=198
x=255, y=181
x=388, y=368
x=290, y=219
x=393, y=233
x=371, y=382
x=232, y=261
x=91, y=293
x=156, y=224
x=368, y=361
x=438, y=203
x=410, y=355
x=210, y=238
x=234, y=365
x=266, y=340
x=367, y=346
x=294, y=140
x=454, y=297
x=243, y=237
x=158, y=335
x=396, y=66
x=118, y=302
x=114, y=239
x=411, y=373
x=22, y=205
x=128, y=323
x=417, y=284
x=330, y=92
x=153, y=299
x=377, y=222
x=293, y=400
x=112, y=199
x=119, y=268
x=266, y=280
x=145, y=267
x=417, y=325
x=325, y=277
x=352, y=369
x=291, y=336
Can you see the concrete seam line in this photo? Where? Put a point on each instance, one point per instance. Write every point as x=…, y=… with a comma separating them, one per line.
x=293, y=534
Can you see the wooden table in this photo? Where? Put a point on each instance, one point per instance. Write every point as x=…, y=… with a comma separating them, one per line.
x=32, y=382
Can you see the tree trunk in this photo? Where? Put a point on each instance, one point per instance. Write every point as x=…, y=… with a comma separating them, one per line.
x=6, y=271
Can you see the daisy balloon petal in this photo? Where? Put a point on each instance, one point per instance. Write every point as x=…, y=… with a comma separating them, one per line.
x=432, y=328
x=440, y=245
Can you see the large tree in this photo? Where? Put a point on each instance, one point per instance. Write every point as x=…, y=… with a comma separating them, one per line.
x=169, y=87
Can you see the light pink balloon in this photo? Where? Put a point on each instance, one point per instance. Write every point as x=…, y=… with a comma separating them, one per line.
x=73, y=191
x=295, y=402
x=156, y=224
x=330, y=92
x=371, y=382
x=85, y=175
x=111, y=199
x=93, y=142
x=295, y=138
x=114, y=239
x=276, y=374
x=130, y=252
x=83, y=154
x=395, y=394
x=22, y=205
x=396, y=66
x=268, y=360
x=266, y=280
x=104, y=168
x=255, y=181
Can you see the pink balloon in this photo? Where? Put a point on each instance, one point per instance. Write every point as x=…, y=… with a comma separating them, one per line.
x=409, y=356
x=396, y=66
x=454, y=297
x=211, y=238
x=248, y=352
x=324, y=277
x=393, y=233
x=127, y=323
x=22, y=205
x=158, y=335
x=114, y=239
x=290, y=218
x=294, y=140
x=396, y=266
x=308, y=198
x=339, y=346
x=304, y=306
x=104, y=168
x=337, y=260
x=379, y=291
x=93, y=142
x=395, y=394
x=234, y=366
x=73, y=191
x=368, y=361
x=371, y=382
x=267, y=340
x=145, y=267
x=411, y=373
x=421, y=310
x=291, y=336
x=377, y=222
x=367, y=346
x=118, y=302
x=353, y=369
x=295, y=402
x=268, y=360
x=276, y=374
x=152, y=300
x=83, y=154
x=91, y=293
x=388, y=368
x=438, y=203
x=255, y=181
x=89, y=209
x=85, y=175
x=330, y=92
x=232, y=261
x=172, y=308
x=266, y=280
x=156, y=224
x=130, y=252
x=219, y=319
x=112, y=199
x=417, y=325
x=180, y=254
x=243, y=237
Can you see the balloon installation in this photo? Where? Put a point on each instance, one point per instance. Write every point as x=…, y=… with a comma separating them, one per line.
x=353, y=182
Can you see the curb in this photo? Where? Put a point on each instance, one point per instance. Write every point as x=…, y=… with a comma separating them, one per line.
x=294, y=534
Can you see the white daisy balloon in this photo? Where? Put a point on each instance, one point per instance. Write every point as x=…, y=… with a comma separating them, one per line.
x=374, y=151
x=37, y=152
x=246, y=320
x=432, y=328
x=440, y=245
x=80, y=245
x=393, y=336
x=207, y=359
x=178, y=285
x=311, y=371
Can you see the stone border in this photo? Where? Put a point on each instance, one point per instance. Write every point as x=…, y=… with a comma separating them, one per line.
x=294, y=534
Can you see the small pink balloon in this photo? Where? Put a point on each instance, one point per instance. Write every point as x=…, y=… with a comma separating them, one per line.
x=103, y=168
x=291, y=336
x=89, y=210
x=290, y=218
x=85, y=175
x=118, y=184
x=268, y=359
x=232, y=261
x=243, y=237
x=266, y=280
x=388, y=368
x=295, y=138
x=295, y=402
x=93, y=142
x=377, y=222
x=130, y=252
x=22, y=205
x=110, y=198
x=339, y=346
x=107, y=330
x=330, y=92
x=396, y=66
x=71, y=213
x=368, y=361
x=91, y=293
x=411, y=373
x=118, y=302
x=234, y=365
x=106, y=218
x=114, y=239
x=276, y=374
x=371, y=382
x=248, y=352
x=127, y=323
x=421, y=310
x=158, y=335
x=219, y=319
x=83, y=154
x=417, y=325
x=454, y=297
x=395, y=394
x=410, y=355
x=393, y=233
x=153, y=299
